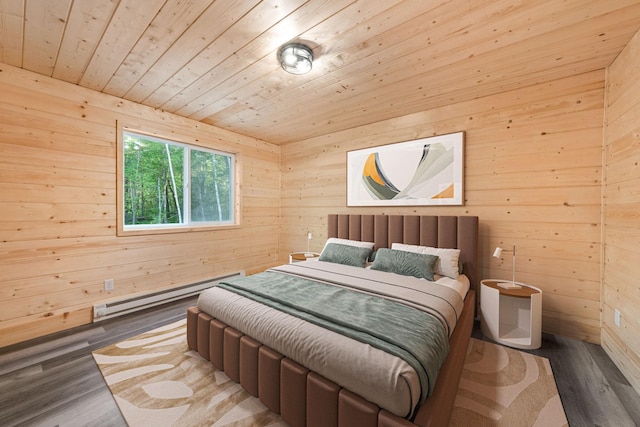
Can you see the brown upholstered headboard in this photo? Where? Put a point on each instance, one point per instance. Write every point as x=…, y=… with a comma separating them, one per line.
x=456, y=232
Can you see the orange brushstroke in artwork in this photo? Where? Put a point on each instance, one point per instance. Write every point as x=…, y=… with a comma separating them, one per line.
x=447, y=193
x=370, y=169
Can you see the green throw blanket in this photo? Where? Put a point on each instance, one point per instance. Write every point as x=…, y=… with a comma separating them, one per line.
x=413, y=335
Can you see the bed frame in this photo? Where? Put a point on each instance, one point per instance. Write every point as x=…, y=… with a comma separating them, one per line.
x=305, y=398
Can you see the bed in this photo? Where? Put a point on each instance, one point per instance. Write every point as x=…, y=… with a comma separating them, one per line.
x=305, y=391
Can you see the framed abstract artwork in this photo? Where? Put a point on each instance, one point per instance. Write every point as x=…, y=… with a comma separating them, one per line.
x=426, y=171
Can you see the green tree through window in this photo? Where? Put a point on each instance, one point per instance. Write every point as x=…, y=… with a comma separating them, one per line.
x=167, y=183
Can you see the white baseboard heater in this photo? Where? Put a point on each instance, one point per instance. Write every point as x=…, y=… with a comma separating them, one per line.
x=129, y=305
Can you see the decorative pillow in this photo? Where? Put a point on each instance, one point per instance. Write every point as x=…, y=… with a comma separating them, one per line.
x=348, y=242
x=447, y=264
x=405, y=263
x=345, y=254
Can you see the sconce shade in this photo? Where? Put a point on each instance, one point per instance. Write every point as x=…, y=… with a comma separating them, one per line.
x=498, y=252
x=295, y=58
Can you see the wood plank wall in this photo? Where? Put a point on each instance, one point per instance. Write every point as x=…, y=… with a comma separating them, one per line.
x=621, y=213
x=58, y=195
x=533, y=161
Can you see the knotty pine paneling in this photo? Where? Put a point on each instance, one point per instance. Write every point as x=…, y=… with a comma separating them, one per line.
x=621, y=221
x=533, y=167
x=58, y=195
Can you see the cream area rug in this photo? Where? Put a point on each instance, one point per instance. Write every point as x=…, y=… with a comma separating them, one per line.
x=156, y=380
x=501, y=386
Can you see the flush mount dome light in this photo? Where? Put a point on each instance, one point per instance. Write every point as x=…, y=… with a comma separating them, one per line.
x=295, y=58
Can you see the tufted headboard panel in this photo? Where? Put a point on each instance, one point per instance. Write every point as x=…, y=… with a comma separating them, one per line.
x=455, y=232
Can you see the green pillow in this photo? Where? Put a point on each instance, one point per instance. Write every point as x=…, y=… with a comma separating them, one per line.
x=345, y=254
x=405, y=263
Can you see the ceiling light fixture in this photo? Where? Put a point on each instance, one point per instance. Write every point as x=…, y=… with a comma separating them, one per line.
x=296, y=58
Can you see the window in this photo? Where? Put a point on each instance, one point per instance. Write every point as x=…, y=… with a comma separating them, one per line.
x=166, y=184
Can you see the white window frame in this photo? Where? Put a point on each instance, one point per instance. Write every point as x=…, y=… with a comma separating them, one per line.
x=186, y=225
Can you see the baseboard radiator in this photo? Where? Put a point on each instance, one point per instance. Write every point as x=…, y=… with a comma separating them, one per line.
x=141, y=302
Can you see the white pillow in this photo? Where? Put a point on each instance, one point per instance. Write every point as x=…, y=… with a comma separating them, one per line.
x=447, y=264
x=348, y=242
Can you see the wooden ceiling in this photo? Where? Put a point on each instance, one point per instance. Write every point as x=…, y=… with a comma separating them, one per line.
x=215, y=61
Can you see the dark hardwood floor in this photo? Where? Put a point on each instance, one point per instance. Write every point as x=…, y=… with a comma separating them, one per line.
x=53, y=381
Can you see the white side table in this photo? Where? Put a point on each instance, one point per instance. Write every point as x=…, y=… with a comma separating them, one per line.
x=302, y=256
x=511, y=317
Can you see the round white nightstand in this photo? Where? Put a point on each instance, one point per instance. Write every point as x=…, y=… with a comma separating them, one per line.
x=302, y=256
x=511, y=317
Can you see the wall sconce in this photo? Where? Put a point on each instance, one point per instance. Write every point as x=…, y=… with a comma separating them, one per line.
x=295, y=58
x=508, y=285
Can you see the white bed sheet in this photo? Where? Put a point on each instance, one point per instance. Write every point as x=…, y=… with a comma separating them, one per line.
x=460, y=285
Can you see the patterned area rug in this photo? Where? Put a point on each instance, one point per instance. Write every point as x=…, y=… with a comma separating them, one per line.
x=156, y=380
x=501, y=386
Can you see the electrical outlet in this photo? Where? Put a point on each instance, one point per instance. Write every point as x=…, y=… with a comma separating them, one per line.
x=109, y=285
x=617, y=317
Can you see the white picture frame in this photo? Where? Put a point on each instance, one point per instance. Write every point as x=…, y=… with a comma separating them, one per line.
x=422, y=172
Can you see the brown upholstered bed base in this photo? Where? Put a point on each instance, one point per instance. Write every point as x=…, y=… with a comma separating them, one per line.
x=305, y=398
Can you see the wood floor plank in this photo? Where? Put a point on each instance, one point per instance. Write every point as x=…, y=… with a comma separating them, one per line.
x=10, y=378
x=22, y=354
x=94, y=409
x=620, y=385
x=41, y=357
x=40, y=394
x=584, y=383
